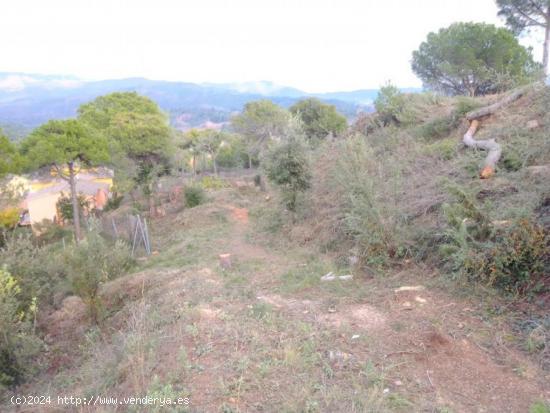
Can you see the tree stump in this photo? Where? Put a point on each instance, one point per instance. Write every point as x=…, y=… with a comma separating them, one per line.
x=225, y=261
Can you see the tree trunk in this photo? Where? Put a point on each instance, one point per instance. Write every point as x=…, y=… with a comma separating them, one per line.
x=546, y=44
x=194, y=164
x=74, y=201
x=215, y=165
x=490, y=145
x=249, y=161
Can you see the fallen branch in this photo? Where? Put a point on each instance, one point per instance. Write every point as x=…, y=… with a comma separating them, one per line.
x=490, y=145
x=491, y=109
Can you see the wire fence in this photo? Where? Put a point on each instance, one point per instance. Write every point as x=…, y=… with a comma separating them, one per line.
x=130, y=228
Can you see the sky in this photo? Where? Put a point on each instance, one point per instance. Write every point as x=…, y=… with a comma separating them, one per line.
x=314, y=45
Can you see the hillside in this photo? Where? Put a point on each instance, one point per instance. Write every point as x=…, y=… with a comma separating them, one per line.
x=26, y=100
x=416, y=328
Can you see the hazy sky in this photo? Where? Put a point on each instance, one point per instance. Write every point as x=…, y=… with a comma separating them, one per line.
x=315, y=45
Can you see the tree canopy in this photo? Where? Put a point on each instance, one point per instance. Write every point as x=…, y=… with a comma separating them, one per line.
x=135, y=128
x=472, y=59
x=319, y=119
x=62, y=144
x=59, y=142
x=133, y=123
x=523, y=15
x=259, y=122
x=10, y=161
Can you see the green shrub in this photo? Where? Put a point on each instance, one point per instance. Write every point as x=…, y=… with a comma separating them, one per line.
x=9, y=218
x=212, y=182
x=38, y=270
x=65, y=206
x=513, y=260
x=113, y=203
x=18, y=343
x=365, y=219
x=390, y=104
x=465, y=104
x=287, y=166
x=444, y=149
x=49, y=232
x=510, y=256
x=92, y=262
x=193, y=196
x=512, y=161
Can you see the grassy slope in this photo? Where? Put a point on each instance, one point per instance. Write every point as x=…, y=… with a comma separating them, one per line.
x=268, y=335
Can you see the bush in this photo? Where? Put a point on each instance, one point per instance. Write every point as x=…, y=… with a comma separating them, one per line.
x=49, y=232
x=113, y=203
x=511, y=256
x=65, y=206
x=9, y=218
x=18, y=344
x=390, y=104
x=212, y=182
x=444, y=149
x=38, y=270
x=193, y=196
x=287, y=166
x=513, y=260
x=92, y=262
x=365, y=220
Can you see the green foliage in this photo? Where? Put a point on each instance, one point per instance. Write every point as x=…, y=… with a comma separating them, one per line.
x=10, y=160
x=61, y=142
x=65, y=206
x=288, y=167
x=48, y=232
x=511, y=257
x=113, y=203
x=18, y=343
x=472, y=59
x=444, y=149
x=193, y=195
x=38, y=270
x=390, y=104
x=365, y=221
x=523, y=15
x=259, y=123
x=539, y=407
x=9, y=218
x=319, y=119
x=212, y=182
x=233, y=153
x=92, y=262
x=135, y=128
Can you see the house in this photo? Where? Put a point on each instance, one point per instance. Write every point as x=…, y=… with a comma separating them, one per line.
x=44, y=191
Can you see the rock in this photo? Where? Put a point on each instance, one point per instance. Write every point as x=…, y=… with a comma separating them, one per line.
x=338, y=356
x=420, y=300
x=398, y=382
x=532, y=124
x=328, y=276
x=355, y=336
x=346, y=277
x=225, y=261
x=410, y=288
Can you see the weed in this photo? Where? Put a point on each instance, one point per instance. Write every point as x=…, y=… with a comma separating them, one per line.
x=194, y=196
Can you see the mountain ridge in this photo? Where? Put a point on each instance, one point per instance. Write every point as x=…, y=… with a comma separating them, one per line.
x=28, y=100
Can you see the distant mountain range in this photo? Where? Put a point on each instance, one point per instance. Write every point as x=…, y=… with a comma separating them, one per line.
x=28, y=100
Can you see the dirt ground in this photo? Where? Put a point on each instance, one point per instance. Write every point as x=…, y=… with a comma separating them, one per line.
x=267, y=335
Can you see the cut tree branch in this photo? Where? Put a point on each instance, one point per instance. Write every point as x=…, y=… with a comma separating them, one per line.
x=490, y=145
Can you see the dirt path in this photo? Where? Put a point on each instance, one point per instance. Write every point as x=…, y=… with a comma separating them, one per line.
x=266, y=335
